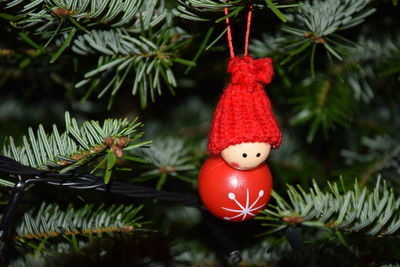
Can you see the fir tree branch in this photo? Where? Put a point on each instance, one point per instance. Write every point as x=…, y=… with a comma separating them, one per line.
x=50, y=19
x=139, y=40
x=122, y=55
x=197, y=9
x=382, y=154
x=51, y=221
x=366, y=60
x=325, y=103
x=317, y=23
x=44, y=15
x=76, y=146
x=268, y=46
x=373, y=212
x=168, y=157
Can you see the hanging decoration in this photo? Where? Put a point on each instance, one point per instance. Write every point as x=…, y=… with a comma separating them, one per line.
x=235, y=183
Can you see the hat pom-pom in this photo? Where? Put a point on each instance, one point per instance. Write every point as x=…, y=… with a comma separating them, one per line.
x=246, y=70
x=264, y=70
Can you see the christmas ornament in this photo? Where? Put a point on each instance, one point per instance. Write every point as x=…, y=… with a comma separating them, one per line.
x=231, y=194
x=235, y=183
x=244, y=128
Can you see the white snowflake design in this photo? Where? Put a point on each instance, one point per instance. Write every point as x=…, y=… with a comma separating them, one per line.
x=244, y=211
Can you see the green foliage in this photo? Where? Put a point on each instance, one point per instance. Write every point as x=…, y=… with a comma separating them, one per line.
x=52, y=18
x=132, y=38
x=268, y=46
x=373, y=212
x=133, y=249
x=325, y=103
x=332, y=96
x=51, y=221
x=168, y=156
x=317, y=22
x=381, y=154
x=148, y=60
x=336, y=76
x=76, y=146
x=364, y=63
x=44, y=16
x=199, y=10
x=192, y=9
x=292, y=163
x=43, y=257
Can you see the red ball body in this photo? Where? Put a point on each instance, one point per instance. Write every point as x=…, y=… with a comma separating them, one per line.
x=234, y=195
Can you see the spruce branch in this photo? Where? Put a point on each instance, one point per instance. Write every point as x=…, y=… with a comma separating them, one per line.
x=76, y=146
x=373, y=212
x=268, y=46
x=135, y=248
x=197, y=9
x=63, y=20
x=46, y=256
x=122, y=55
x=367, y=61
x=44, y=16
x=132, y=38
x=325, y=103
x=328, y=100
x=168, y=156
x=200, y=10
x=51, y=221
x=382, y=155
x=318, y=22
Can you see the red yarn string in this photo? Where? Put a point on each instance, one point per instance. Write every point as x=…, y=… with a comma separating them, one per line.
x=229, y=33
x=246, y=43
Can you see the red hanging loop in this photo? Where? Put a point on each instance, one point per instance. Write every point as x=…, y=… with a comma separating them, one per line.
x=229, y=33
x=246, y=43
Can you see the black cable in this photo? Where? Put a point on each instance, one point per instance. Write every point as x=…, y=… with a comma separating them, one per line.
x=8, y=219
x=10, y=166
x=89, y=181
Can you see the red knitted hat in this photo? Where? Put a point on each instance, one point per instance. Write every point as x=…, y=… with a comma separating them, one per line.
x=244, y=113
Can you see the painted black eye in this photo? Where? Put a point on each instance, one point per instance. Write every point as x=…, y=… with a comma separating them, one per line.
x=258, y=155
x=244, y=155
